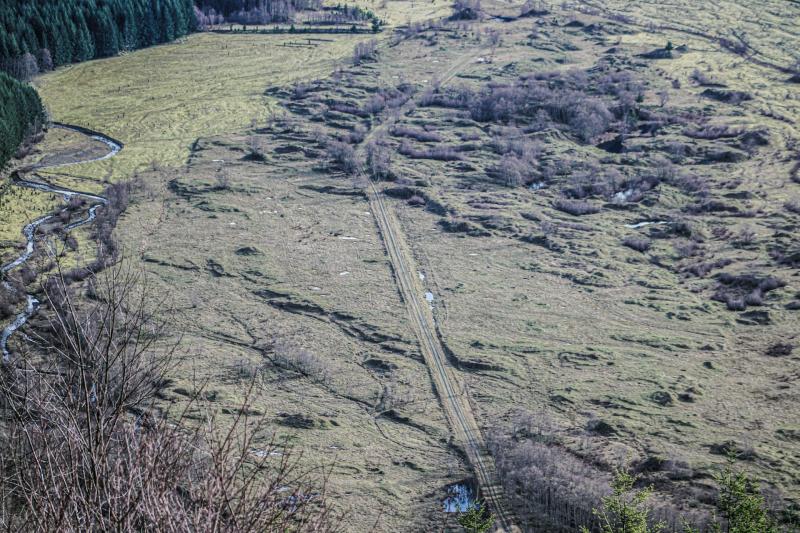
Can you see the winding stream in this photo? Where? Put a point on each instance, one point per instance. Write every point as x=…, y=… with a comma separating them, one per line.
x=29, y=231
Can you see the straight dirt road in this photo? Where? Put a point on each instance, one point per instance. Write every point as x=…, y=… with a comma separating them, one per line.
x=451, y=390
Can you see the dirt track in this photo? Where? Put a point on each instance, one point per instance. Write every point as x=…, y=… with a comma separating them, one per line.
x=452, y=392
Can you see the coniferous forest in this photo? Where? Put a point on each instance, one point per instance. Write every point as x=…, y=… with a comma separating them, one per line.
x=21, y=113
x=37, y=35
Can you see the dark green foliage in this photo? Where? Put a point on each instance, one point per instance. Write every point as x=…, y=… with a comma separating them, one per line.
x=476, y=520
x=626, y=510
x=21, y=114
x=68, y=31
x=741, y=504
x=741, y=507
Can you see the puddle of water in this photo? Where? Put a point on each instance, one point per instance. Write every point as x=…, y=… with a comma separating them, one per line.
x=264, y=453
x=623, y=196
x=460, y=498
x=429, y=297
x=646, y=223
x=537, y=186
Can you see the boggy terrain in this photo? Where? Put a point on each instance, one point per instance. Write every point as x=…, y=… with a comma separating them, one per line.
x=601, y=207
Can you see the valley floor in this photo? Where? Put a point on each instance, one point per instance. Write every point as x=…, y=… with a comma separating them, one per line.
x=280, y=271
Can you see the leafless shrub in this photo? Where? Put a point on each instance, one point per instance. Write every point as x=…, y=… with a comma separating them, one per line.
x=255, y=149
x=365, y=51
x=780, y=350
x=379, y=162
x=594, y=181
x=590, y=119
x=395, y=97
x=438, y=153
x=416, y=134
x=375, y=104
x=687, y=248
x=712, y=132
x=549, y=487
x=416, y=201
x=356, y=135
x=702, y=269
x=513, y=170
x=348, y=108
x=85, y=448
x=575, y=207
x=746, y=237
x=513, y=141
x=703, y=79
x=466, y=10
x=793, y=205
x=637, y=242
x=296, y=359
x=458, y=97
x=534, y=8
x=342, y=156
x=300, y=90
x=737, y=291
x=395, y=396
x=223, y=179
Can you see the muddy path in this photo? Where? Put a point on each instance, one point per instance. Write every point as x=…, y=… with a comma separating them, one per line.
x=30, y=230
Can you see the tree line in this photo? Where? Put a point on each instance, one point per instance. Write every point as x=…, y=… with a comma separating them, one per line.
x=38, y=35
x=21, y=113
x=271, y=7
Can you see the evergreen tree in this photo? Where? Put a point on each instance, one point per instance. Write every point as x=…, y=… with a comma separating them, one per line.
x=21, y=114
x=77, y=30
x=741, y=504
x=476, y=519
x=625, y=510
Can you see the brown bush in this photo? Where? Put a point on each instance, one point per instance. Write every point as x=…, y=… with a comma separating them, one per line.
x=637, y=242
x=793, y=205
x=416, y=134
x=737, y=291
x=297, y=359
x=575, y=207
x=342, y=156
x=438, y=153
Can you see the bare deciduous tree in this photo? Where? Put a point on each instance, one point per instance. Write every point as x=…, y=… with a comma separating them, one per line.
x=87, y=449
